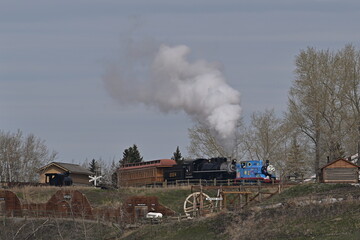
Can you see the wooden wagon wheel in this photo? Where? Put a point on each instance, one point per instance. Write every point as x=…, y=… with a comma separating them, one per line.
x=197, y=204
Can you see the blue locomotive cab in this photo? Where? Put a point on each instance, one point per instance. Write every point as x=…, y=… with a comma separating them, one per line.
x=255, y=170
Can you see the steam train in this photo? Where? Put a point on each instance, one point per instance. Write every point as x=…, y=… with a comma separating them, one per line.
x=158, y=171
x=221, y=169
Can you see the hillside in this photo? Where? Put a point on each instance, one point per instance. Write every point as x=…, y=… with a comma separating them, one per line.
x=170, y=197
x=308, y=211
x=311, y=211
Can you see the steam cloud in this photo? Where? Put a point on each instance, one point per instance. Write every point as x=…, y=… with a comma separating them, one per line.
x=172, y=83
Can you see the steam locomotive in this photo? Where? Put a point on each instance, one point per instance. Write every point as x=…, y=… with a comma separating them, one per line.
x=201, y=168
x=255, y=170
x=221, y=169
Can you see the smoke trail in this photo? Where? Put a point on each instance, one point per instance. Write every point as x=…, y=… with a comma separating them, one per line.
x=172, y=83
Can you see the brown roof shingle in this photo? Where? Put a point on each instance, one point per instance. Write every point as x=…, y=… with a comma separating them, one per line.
x=70, y=167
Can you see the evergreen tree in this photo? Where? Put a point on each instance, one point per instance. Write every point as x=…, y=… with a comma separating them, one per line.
x=177, y=156
x=295, y=163
x=113, y=171
x=93, y=166
x=131, y=155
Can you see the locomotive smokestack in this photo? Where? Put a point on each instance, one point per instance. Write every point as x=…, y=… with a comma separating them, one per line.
x=171, y=83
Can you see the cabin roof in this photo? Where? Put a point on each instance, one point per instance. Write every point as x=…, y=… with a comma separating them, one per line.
x=68, y=167
x=340, y=159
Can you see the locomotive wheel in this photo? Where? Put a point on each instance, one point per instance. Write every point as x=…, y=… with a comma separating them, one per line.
x=197, y=204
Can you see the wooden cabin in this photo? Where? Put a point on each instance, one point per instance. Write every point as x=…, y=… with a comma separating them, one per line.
x=143, y=173
x=78, y=174
x=340, y=171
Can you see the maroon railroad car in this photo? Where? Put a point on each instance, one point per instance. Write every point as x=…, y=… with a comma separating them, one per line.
x=143, y=173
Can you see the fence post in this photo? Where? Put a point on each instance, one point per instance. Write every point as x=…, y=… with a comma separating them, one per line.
x=259, y=188
x=279, y=188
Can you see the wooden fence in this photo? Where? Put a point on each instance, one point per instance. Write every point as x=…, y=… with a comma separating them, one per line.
x=201, y=182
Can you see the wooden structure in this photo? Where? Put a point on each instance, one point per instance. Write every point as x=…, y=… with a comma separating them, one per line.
x=34, y=209
x=109, y=214
x=340, y=171
x=10, y=205
x=69, y=203
x=78, y=174
x=135, y=208
x=198, y=204
x=227, y=197
x=143, y=173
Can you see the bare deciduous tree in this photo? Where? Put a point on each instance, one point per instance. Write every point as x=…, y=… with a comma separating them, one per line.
x=324, y=101
x=349, y=86
x=205, y=143
x=266, y=139
x=21, y=157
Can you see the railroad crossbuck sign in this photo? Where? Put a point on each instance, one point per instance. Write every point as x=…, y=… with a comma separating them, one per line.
x=94, y=179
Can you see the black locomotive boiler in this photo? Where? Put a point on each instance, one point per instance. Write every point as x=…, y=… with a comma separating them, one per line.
x=201, y=168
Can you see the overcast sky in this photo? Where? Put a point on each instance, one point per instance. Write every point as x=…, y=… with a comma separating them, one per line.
x=54, y=56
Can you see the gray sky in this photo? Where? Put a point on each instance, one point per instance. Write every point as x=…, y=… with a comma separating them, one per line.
x=54, y=54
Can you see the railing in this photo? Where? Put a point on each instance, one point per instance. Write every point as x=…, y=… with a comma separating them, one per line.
x=199, y=182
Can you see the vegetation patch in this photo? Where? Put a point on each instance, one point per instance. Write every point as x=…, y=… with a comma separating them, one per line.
x=198, y=229
x=317, y=189
x=44, y=229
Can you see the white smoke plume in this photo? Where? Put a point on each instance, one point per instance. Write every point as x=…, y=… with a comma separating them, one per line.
x=172, y=83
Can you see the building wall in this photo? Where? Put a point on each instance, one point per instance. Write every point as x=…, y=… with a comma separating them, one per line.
x=50, y=169
x=340, y=172
x=140, y=176
x=78, y=179
x=340, y=175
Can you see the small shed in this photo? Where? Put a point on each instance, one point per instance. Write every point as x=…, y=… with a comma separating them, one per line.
x=78, y=174
x=340, y=171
